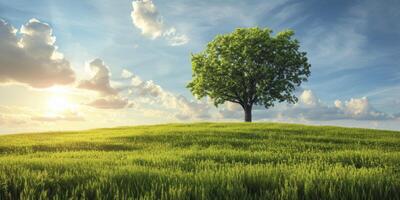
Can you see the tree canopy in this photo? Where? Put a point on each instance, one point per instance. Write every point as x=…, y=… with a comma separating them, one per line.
x=250, y=66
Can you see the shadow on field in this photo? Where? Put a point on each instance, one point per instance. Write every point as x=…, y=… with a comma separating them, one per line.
x=203, y=139
x=243, y=139
x=63, y=147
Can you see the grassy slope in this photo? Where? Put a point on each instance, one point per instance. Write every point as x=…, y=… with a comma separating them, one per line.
x=203, y=161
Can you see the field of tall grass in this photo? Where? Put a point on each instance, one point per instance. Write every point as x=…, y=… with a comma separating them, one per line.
x=202, y=161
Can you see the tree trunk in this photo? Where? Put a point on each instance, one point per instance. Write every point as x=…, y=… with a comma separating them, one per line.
x=247, y=113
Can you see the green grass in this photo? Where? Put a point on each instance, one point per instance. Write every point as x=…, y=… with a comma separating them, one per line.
x=202, y=161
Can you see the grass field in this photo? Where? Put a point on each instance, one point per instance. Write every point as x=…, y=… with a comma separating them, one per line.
x=202, y=161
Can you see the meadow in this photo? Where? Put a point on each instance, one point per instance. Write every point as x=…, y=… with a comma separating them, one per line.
x=202, y=161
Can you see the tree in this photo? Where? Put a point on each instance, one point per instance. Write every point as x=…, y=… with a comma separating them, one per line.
x=250, y=67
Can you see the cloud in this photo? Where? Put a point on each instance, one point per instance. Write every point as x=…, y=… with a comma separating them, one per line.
x=68, y=115
x=174, y=38
x=360, y=109
x=310, y=107
x=308, y=98
x=231, y=111
x=15, y=116
x=146, y=17
x=26, y=117
x=190, y=109
x=100, y=81
x=32, y=58
x=147, y=88
x=10, y=119
x=126, y=74
x=113, y=102
x=181, y=108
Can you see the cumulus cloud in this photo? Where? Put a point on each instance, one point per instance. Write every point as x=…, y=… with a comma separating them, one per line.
x=308, y=98
x=310, y=107
x=360, y=109
x=32, y=58
x=190, y=109
x=147, y=88
x=100, y=81
x=182, y=108
x=231, y=111
x=113, y=102
x=126, y=74
x=146, y=17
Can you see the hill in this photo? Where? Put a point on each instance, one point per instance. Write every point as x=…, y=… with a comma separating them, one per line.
x=202, y=161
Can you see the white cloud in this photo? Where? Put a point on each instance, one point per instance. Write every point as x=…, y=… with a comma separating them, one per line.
x=360, y=109
x=231, y=111
x=174, y=38
x=338, y=104
x=126, y=74
x=181, y=108
x=147, y=88
x=136, y=80
x=310, y=107
x=233, y=106
x=33, y=58
x=355, y=108
x=146, y=17
x=308, y=98
x=190, y=109
x=111, y=102
x=100, y=81
x=67, y=115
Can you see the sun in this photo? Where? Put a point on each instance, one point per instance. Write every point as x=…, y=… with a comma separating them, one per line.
x=58, y=104
x=58, y=100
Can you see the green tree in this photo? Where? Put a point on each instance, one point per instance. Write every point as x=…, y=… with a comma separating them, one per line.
x=250, y=66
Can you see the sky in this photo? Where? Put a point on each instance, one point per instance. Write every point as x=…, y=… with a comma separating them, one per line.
x=72, y=65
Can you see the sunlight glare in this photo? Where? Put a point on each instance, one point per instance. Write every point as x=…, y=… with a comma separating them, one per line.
x=58, y=103
x=58, y=90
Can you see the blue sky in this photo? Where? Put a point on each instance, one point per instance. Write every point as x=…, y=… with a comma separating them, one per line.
x=353, y=47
